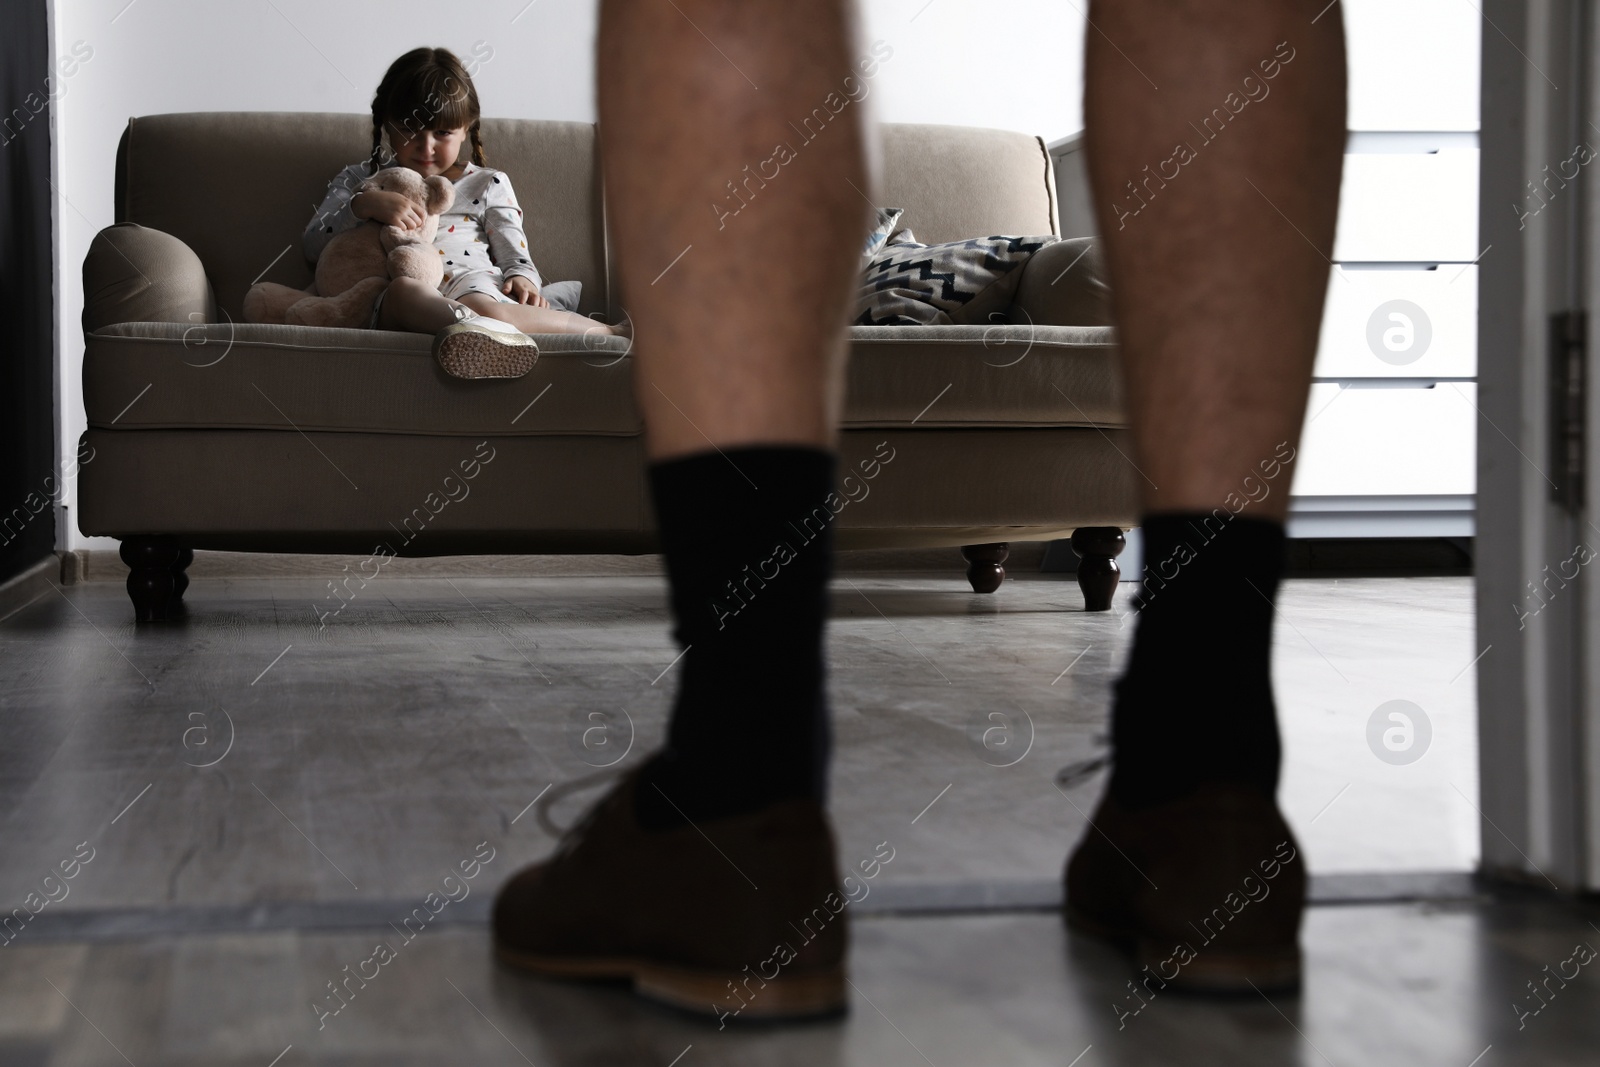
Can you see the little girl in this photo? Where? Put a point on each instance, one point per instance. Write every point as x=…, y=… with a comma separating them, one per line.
x=489, y=299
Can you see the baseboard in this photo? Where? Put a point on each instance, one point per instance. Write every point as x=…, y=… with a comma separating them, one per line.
x=977, y=896
x=888, y=900
x=23, y=589
x=1324, y=557
x=75, y=564
x=1380, y=557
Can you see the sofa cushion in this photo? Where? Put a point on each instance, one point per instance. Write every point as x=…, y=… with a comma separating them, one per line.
x=173, y=170
x=157, y=375
x=565, y=296
x=957, y=181
x=983, y=376
x=147, y=376
x=956, y=282
x=1064, y=284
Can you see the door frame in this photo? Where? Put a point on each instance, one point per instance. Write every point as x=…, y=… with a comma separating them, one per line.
x=1536, y=598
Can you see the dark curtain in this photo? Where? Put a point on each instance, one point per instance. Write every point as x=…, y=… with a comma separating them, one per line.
x=29, y=480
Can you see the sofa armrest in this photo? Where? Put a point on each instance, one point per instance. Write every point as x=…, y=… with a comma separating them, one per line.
x=136, y=274
x=1064, y=284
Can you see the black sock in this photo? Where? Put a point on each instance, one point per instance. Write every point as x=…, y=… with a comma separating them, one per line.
x=1194, y=704
x=748, y=540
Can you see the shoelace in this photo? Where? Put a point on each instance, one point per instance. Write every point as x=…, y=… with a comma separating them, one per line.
x=567, y=839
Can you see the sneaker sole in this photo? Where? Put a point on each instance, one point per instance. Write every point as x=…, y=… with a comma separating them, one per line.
x=468, y=351
x=1276, y=970
x=788, y=996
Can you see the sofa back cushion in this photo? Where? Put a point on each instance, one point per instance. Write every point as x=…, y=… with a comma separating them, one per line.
x=960, y=182
x=239, y=188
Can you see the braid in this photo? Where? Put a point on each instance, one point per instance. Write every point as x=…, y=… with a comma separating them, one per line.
x=477, y=145
x=377, y=142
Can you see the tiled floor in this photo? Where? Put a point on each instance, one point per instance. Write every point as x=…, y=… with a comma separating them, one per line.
x=263, y=794
x=1386, y=985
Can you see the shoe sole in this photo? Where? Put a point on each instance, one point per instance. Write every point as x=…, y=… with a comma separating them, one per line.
x=1276, y=970
x=468, y=351
x=788, y=996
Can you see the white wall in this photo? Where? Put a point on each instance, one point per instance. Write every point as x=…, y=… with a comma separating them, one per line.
x=1014, y=65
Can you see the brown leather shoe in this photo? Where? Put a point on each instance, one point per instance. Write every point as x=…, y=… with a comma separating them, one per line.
x=1207, y=890
x=739, y=917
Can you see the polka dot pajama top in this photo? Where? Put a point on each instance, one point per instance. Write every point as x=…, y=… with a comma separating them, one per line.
x=480, y=238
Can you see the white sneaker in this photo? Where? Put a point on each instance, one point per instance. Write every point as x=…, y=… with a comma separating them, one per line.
x=476, y=346
x=484, y=320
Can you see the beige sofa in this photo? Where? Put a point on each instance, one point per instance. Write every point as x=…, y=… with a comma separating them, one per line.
x=204, y=432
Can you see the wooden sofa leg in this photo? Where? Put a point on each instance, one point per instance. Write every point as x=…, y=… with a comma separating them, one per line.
x=156, y=578
x=984, y=568
x=1098, y=574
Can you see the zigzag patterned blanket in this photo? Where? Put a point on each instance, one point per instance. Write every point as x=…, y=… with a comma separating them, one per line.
x=909, y=284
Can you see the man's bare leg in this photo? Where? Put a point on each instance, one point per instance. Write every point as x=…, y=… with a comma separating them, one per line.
x=738, y=239
x=1220, y=276
x=1218, y=242
x=739, y=317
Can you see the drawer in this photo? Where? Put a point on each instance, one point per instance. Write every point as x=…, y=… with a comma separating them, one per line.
x=1362, y=440
x=1400, y=324
x=1412, y=207
x=1413, y=65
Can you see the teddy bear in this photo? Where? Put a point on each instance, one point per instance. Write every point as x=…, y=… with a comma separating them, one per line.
x=359, y=263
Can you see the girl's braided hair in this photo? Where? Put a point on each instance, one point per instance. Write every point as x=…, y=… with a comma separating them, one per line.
x=427, y=88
